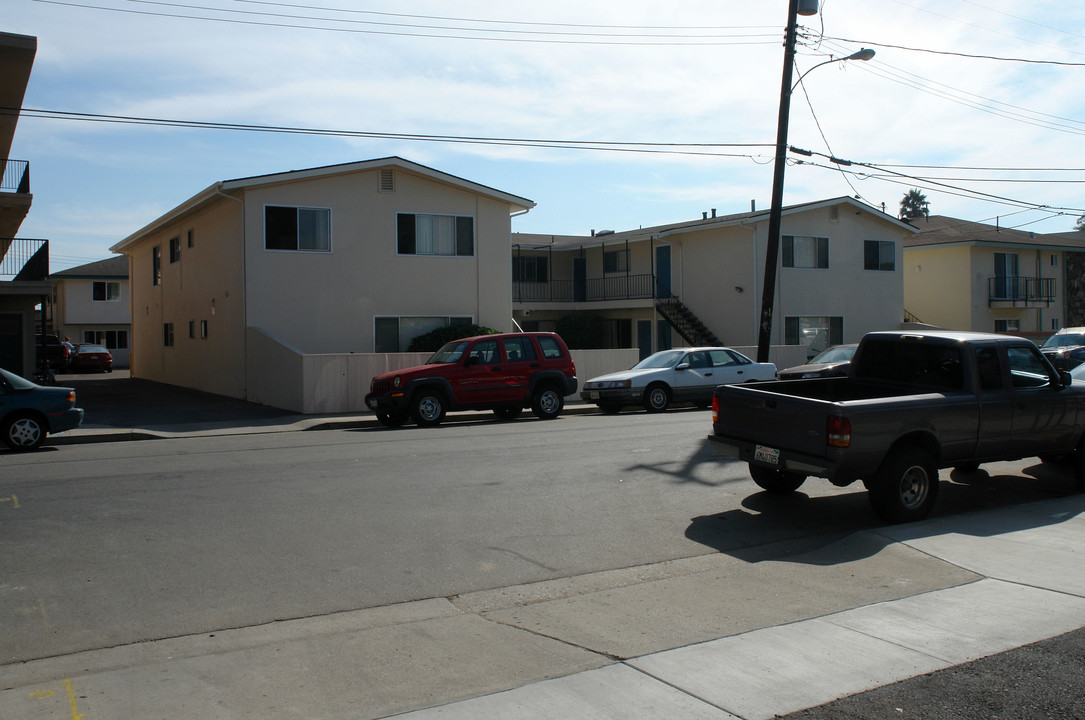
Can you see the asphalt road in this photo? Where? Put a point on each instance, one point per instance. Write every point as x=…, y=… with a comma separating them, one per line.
x=119, y=543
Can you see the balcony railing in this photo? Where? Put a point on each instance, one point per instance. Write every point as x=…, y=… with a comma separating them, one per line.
x=16, y=177
x=1021, y=290
x=24, y=259
x=608, y=287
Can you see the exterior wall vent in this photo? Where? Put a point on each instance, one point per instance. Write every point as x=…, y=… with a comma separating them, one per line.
x=388, y=181
x=834, y=213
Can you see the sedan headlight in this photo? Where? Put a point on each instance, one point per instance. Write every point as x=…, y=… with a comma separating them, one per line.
x=609, y=385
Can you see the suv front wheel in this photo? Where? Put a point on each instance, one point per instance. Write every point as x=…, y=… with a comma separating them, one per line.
x=548, y=403
x=427, y=408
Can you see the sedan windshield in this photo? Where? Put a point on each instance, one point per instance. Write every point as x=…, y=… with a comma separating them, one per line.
x=659, y=360
x=833, y=355
x=450, y=353
x=1065, y=340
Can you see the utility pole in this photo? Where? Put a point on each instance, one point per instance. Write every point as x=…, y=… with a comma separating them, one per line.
x=772, y=251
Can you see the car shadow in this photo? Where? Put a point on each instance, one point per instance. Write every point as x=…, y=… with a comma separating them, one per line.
x=840, y=527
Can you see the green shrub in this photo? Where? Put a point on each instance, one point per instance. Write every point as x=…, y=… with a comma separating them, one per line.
x=435, y=339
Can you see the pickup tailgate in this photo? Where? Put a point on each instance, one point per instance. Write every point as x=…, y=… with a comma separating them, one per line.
x=773, y=419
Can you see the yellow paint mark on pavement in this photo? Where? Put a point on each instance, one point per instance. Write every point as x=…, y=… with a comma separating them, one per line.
x=13, y=500
x=76, y=715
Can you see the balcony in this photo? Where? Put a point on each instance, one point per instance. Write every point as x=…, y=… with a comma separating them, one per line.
x=24, y=260
x=16, y=178
x=609, y=287
x=1020, y=292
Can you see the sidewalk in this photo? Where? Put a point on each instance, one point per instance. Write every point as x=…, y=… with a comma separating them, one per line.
x=713, y=636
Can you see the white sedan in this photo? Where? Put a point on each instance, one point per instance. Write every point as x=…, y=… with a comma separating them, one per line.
x=670, y=376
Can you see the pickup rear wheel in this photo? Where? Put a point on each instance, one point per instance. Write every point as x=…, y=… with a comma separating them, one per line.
x=776, y=481
x=657, y=397
x=905, y=487
x=427, y=408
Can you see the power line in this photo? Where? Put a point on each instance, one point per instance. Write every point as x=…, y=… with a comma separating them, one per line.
x=955, y=54
x=600, y=145
x=579, y=38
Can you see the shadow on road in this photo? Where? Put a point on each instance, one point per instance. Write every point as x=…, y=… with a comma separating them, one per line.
x=841, y=527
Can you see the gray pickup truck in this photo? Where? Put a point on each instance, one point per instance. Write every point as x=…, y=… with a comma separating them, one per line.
x=911, y=404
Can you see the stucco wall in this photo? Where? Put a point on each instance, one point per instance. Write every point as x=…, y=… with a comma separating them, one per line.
x=937, y=288
x=325, y=302
x=204, y=286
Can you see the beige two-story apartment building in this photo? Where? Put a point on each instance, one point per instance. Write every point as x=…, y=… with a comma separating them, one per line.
x=353, y=258
x=700, y=282
x=973, y=276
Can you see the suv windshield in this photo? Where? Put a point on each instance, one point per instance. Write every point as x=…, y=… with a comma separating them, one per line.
x=450, y=353
x=1064, y=340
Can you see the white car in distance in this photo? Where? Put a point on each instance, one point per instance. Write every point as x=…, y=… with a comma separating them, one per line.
x=681, y=375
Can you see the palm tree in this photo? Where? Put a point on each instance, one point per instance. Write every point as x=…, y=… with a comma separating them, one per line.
x=914, y=205
x=1080, y=226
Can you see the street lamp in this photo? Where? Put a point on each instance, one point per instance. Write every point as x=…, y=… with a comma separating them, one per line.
x=772, y=251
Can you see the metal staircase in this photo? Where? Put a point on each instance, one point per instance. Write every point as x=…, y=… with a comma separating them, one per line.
x=685, y=323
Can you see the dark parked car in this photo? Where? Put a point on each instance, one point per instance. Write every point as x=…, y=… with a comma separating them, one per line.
x=29, y=412
x=831, y=362
x=51, y=352
x=504, y=373
x=1066, y=348
x=90, y=358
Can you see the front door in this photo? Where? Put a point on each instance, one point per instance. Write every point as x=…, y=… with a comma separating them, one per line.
x=1043, y=416
x=663, y=271
x=481, y=379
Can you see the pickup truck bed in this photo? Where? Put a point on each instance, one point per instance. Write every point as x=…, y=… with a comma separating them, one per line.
x=912, y=404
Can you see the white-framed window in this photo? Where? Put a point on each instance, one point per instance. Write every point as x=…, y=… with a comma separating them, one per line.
x=175, y=250
x=1055, y=324
x=1011, y=325
x=394, y=334
x=816, y=332
x=112, y=339
x=156, y=265
x=105, y=291
x=616, y=261
x=803, y=251
x=167, y=334
x=879, y=255
x=445, y=235
x=297, y=229
x=1054, y=259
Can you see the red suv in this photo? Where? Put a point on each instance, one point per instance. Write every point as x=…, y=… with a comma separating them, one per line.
x=503, y=373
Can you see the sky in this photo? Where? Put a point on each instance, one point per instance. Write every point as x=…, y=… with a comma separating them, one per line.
x=610, y=115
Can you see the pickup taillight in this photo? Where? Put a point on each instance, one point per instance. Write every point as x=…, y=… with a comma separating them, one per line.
x=715, y=409
x=838, y=434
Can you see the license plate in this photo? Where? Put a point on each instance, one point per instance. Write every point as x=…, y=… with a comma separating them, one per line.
x=594, y=395
x=372, y=403
x=766, y=455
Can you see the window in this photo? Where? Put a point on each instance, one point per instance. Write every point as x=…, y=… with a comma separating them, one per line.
x=447, y=235
x=394, y=334
x=298, y=229
x=815, y=332
x=192, y=328
x=615, y=261
x=112, y=339
x=518, y=349
x=203, y=329
x=806, y=252
x=1055, y=323
x=190, y=238
x=530, y=268
x=988, y=368
x=175, y=250
x=550, y=348
x=1027, y=367
x=485, y=352
x=1054, y=260
x=156, y=265
x=1007, y=286
x=167, y=334
x=105, y=291
x=879, y=255
x=1008, y=326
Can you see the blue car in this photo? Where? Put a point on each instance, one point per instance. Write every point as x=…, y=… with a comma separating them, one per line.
x=29, y=412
